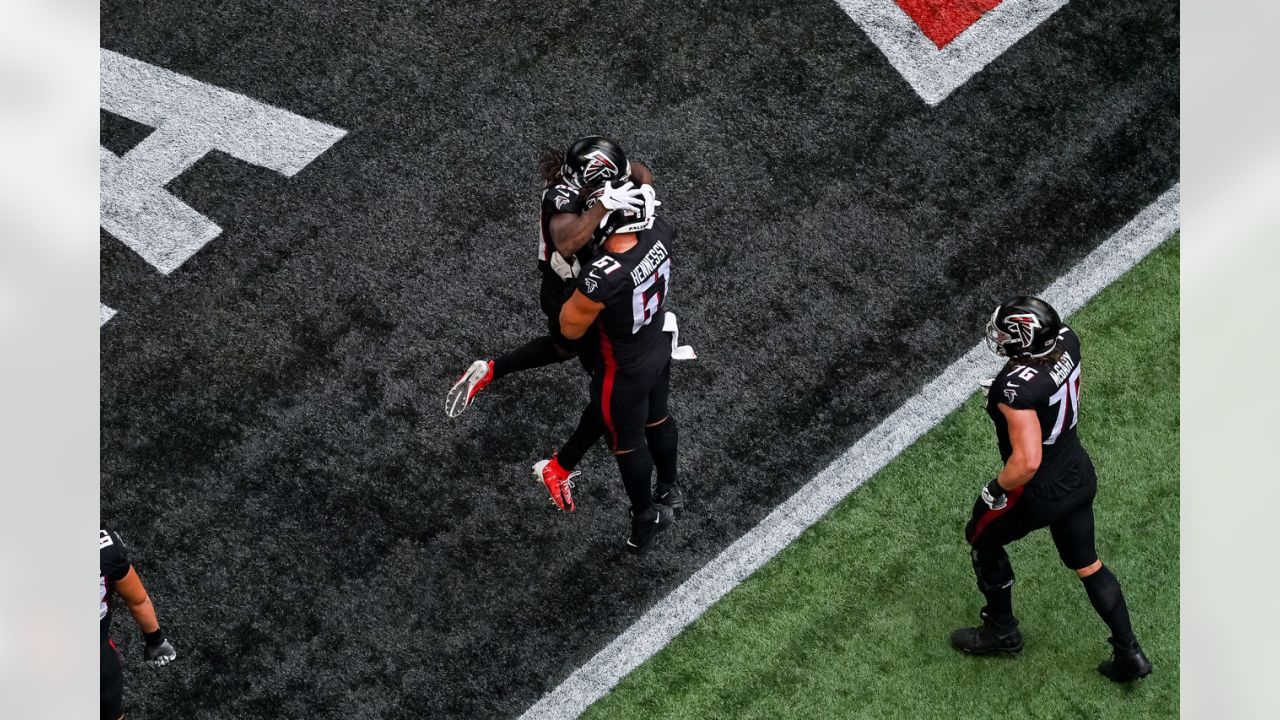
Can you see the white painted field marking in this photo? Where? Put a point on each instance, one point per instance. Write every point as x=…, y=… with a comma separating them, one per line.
x=934, y=73
x=191, y=119
x=104, y=314
x=866, y=457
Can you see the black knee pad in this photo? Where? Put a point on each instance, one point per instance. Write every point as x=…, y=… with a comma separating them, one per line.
x=992, y=568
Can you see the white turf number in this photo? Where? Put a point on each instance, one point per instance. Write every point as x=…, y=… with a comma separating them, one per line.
x=644, y=308
x=1070, y=393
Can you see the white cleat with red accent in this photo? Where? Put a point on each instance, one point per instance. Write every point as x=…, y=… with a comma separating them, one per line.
x=468, y=386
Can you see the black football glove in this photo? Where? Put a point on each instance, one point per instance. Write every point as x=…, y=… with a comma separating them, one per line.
x=996, y=497
x=157, y=650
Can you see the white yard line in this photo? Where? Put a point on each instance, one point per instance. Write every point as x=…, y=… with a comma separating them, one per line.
x=935, y=401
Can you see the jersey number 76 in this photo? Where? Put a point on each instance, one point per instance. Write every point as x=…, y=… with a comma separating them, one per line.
x=1068, y=396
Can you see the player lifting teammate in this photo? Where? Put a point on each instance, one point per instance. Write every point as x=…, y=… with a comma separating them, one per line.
x=117, y=576
x=582, y=186
x=623, y=295
x=1048, y=481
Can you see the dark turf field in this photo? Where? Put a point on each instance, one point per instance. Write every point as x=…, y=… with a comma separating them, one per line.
x=321, y=542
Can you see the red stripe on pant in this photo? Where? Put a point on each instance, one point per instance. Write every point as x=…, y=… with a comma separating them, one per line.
x=606, y=393
x=990, y=514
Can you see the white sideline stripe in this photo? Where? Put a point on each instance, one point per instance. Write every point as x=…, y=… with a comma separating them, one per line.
x=935, y=73
x=935, y=401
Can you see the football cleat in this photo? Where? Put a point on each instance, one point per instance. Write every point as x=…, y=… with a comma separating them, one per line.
x=646, y=525
x=670, y=496
x=468, y=386
x=559, y=482
x=1127, y=663
x=988, y=638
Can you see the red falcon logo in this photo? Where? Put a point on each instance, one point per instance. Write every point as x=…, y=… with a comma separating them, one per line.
x=598, y=167
x=1023, y=327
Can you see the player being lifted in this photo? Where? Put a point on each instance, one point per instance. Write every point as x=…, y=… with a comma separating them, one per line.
x=1048, y=481
x=623, y=295
x=582, y=186
x=117, y=576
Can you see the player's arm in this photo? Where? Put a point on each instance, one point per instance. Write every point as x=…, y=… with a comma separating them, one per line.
x=158, y=651
x=577, y=314
x=641, y=174
x=1024, y=436
x=135, y=596
x=570, y=232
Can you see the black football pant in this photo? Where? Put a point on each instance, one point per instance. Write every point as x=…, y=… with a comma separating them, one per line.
x=1067, y=513
x=112, y=693
x=627, y=400
x=548, y=349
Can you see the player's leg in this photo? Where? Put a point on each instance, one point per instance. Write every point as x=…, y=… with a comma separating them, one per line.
x=1073, y=534
x=549, y=349
x=558, y=472
x=624, y=404
x=112, y=683
x=988, y=532
x=662, y=436
x=589, y=430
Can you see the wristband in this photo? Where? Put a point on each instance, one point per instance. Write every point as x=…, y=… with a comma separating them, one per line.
x=153, y=639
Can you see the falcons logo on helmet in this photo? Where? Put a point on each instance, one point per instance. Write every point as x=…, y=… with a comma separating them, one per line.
x=1023, y=327
x=598, y=167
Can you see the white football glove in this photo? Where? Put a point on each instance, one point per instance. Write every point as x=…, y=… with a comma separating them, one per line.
x=622, y=197
x=567, y=270
x=995, y=497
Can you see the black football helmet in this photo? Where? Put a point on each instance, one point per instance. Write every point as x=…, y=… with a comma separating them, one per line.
x=595, y=160
x=1023, y=327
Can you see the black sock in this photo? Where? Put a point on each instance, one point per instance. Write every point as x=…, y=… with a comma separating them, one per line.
x=999, y=605
x=662, y=447
x=636, y=468
x=535, y=353
x=1108, y=600
x=589, y=430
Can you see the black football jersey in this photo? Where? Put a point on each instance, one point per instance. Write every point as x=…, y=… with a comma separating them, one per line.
x=1053, y=391
x=634, y=286
x=114, y=565
x=561, y=197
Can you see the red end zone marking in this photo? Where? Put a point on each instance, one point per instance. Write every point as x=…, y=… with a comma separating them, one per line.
x=943, y=20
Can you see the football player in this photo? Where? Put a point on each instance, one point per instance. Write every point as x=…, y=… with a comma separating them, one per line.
x=117, y=577
x=622, y=295
x=582, y=186
x=1048, y=481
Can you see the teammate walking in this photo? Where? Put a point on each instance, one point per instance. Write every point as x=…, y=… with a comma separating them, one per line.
x=116, y=575
x=623, y=295
x=1048, y=481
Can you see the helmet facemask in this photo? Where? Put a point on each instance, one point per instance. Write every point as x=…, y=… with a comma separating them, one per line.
x=997, y=338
